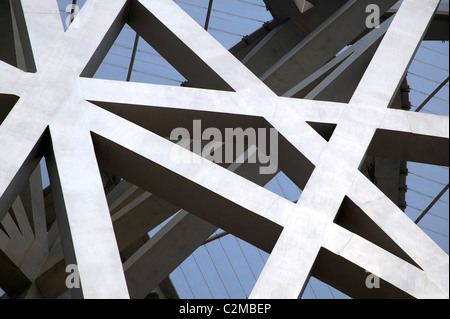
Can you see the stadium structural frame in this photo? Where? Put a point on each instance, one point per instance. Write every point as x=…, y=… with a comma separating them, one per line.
x=113, y=178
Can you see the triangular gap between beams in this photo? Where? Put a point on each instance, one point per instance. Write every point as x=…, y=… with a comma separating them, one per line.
x=317, y=289
x=7, y=49
x=354, y=219
x=16, y=47
x=160, y=56
x=22, y=178
x=135, y=212
x=282, y=185
x=114, y=56
x=323, y=129
x=185, y=193
x=175, y=51
x=143, y=63
x=27, y=214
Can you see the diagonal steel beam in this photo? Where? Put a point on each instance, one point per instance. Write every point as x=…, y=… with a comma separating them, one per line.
x=401, y=42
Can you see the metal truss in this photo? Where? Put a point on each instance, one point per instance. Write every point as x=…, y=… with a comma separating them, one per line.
x=342, y=226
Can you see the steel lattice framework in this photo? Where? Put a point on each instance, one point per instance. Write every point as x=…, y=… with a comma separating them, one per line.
x=79, y=123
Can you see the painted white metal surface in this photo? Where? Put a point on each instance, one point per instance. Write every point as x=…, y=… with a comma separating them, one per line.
x=57, y=100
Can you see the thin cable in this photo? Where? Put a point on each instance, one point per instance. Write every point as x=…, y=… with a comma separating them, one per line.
x=220, y=11
x=72, y=12
x=436, y=199
x=185, y=278
x=210, y=28
x=431, y=64
x=329, y=288
x=142, y=72
x=143, y=61
x=165, y=65
x=228, y=32
x=428, y=94
x=246, y=260
x=217, y=270
x=436, y=232
x=427, y=178
x=429, y=196
x=232, y=267
x=444, y=54
x=429, y=213
x=215, y=237
x=425, y=78
x=425, y=109
x=414, y=207
x=251, y=3
x=203, y=276
x=310, y=286
x=437, y=216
